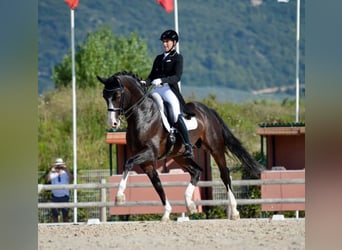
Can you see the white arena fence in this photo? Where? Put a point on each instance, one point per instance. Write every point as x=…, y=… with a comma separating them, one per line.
x=94, y=199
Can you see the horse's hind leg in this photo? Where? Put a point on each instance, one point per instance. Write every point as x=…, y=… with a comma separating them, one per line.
x=195, y=172
x=153, y=175
x=233, y=213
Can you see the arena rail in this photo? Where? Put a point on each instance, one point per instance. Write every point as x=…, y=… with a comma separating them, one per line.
x=104, y=185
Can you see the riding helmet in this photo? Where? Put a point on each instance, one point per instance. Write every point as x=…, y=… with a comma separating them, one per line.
x=169, y=34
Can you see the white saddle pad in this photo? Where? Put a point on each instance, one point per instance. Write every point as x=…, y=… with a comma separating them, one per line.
x=190, y=124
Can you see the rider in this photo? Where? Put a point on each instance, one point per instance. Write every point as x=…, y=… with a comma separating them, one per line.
x=165, y=74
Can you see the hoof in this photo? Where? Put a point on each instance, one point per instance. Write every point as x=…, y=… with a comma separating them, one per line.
x=165, y=219
x=120, y=199
x=235, y=216
x=192, y=208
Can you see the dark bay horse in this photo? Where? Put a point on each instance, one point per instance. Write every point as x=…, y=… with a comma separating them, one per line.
x=149, y=140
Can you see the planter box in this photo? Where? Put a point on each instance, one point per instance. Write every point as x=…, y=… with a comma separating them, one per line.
x=116, y=138
x=283, y=190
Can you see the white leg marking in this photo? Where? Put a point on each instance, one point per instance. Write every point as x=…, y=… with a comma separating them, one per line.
x=234, y=213
x=167, y=211
x=120, y=196
x=191, y=206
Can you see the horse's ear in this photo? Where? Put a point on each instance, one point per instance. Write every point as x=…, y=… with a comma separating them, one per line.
x=101, y=79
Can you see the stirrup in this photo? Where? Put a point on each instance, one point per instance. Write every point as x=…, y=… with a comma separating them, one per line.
x=188, y=151
x=172, y=137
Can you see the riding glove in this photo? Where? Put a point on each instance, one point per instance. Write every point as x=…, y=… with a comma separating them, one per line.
x=156, y=82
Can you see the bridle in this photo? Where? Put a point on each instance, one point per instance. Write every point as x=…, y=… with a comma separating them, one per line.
x=110, y=93
x=121, y=109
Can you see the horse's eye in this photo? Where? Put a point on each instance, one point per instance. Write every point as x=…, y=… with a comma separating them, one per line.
x=117, y=95
x=107, y=94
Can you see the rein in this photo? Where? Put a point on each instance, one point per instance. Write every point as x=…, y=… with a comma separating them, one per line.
x=125, y=112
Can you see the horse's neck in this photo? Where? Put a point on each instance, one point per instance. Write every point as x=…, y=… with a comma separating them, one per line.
x=135, y=96
x=135, y=93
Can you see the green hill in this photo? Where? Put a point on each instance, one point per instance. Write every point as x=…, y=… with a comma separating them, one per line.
x=244, y=45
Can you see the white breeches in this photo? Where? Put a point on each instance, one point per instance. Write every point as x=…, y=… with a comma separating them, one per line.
x=168, y=96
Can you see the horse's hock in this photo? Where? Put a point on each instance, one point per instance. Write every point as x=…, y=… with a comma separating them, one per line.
x=169, y=171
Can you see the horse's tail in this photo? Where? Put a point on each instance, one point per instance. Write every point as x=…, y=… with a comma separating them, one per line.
x=237, y=149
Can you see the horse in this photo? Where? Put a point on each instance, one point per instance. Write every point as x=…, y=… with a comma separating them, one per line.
x=148, y=139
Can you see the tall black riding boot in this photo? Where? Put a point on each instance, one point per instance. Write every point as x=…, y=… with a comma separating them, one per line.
x=185, y=136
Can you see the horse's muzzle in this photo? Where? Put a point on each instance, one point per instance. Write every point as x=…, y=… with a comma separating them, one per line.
x=115, y=124
x=113, y=120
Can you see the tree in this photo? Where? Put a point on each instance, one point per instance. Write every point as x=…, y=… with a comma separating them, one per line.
x=103, y=54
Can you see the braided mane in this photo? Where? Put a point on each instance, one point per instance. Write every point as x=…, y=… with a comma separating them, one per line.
x=129, y=73
x=134, y=76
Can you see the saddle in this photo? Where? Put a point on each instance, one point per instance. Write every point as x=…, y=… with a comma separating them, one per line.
x=166, y=113
x=189, y=119
x=190, y=123
x=187, y=113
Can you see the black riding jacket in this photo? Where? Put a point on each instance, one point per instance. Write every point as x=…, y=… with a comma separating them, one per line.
x=169, y=70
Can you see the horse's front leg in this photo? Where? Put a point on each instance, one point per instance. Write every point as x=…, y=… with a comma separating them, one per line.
x=120, y=195
x=153, y=175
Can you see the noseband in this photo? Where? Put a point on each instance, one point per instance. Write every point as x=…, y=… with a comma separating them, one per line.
x=111, y=92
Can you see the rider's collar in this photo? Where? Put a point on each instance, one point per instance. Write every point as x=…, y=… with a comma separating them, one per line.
x=166, y=54
x=171, y=52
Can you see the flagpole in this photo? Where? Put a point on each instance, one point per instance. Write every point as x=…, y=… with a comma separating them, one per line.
x=74, y=108
x=176, y=22
x=297, y=60
x=176, y=29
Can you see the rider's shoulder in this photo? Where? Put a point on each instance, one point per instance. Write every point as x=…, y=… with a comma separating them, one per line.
x=174, y=53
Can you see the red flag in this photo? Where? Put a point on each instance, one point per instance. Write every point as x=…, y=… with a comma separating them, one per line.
x=166, y=4
x=72, y=3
